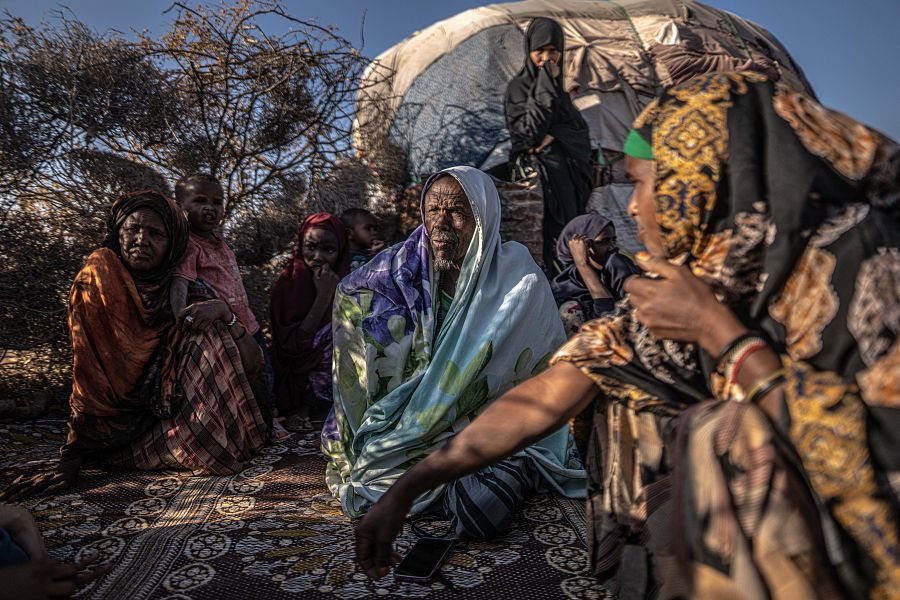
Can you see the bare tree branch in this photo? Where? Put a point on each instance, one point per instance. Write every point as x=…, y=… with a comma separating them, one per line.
x=243, y=90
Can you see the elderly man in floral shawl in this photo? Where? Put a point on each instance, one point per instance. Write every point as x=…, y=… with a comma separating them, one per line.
x=425, y=336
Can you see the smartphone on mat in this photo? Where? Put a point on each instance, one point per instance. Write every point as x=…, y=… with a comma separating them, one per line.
x=424, y=560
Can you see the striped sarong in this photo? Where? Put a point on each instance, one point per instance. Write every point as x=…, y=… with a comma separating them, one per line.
x=219, y=424
x=483, y=504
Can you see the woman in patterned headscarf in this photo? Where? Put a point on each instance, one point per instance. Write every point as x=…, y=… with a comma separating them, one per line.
x=145, y=394
x=746, y=412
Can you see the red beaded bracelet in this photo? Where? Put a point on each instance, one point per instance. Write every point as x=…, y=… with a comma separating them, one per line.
x=738, y=361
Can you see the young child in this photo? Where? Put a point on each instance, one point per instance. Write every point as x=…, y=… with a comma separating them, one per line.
x=362, y=232
x=209, y=258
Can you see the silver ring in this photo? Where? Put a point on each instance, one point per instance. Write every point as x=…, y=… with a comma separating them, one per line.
x=189, y=319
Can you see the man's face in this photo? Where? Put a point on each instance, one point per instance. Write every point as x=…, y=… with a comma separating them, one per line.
x=449, y=222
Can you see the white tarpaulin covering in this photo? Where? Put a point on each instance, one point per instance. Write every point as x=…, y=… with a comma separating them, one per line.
x=437, y=96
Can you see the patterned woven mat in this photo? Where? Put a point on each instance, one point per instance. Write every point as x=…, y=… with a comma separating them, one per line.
x=271, y=531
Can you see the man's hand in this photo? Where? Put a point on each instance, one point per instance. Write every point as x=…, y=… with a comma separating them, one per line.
x=49, y=482
x=578, y=246
x=325, y=280
x=376, y=533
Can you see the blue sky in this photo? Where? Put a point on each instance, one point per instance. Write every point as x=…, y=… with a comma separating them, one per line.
x=850, y=51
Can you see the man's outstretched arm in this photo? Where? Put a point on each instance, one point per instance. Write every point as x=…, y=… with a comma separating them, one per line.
x=522, y=416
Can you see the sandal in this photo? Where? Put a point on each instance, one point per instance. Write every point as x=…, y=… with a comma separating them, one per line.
x=300, y=423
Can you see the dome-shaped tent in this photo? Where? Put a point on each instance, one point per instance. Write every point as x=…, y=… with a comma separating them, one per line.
x=438, y=95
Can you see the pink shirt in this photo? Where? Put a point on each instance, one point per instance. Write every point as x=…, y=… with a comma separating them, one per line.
x=215, y=263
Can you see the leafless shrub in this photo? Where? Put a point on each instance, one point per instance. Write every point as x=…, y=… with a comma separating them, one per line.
x=244, y=91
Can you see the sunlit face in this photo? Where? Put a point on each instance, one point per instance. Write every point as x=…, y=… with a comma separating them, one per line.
x=545, y=53
x=143, y=240
x=450, y=223
x=320, y=247
x=204, y=206
x=642, y=206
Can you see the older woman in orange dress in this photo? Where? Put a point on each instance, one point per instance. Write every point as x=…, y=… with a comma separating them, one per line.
x=146, y=394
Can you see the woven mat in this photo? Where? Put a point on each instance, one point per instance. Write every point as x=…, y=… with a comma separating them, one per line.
x=271, y=531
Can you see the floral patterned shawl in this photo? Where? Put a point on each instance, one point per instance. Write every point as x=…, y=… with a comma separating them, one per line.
x=789, y=211
x=402, y=388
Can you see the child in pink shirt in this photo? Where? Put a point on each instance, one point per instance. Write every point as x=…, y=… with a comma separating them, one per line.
x=208, y=257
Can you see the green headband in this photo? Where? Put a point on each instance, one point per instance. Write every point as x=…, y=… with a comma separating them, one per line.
x=637, y=146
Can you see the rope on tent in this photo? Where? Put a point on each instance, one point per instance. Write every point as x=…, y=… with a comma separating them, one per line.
x=734, y=30
x=640, y=41
x=630, y=23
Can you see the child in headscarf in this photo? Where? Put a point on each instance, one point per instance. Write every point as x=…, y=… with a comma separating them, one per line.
x=301, y=319
x=544, y=123
x=592, y=271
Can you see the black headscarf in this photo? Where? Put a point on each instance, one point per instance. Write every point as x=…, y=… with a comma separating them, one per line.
x=541, y=32
x=528, y=87
x=569, y=285
x=173, y=220
x=536, y=105
x=589, y=225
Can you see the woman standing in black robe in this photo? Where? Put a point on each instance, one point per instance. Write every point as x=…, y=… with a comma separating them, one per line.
x=544, y=123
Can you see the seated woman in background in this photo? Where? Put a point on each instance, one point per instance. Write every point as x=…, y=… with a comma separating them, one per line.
x=592, y=271
x=746, y=434
x=300, y=312
x=142, y=394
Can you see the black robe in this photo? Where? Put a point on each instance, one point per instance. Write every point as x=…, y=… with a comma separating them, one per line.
x=536, y=105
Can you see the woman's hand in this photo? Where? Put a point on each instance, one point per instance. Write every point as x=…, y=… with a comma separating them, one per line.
x=325, y=280
x=545, y=143
x=578, y=246
x=680, y=306
x=376, y=533
x=58, y=480
x=553, y=67
x=201, y=315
